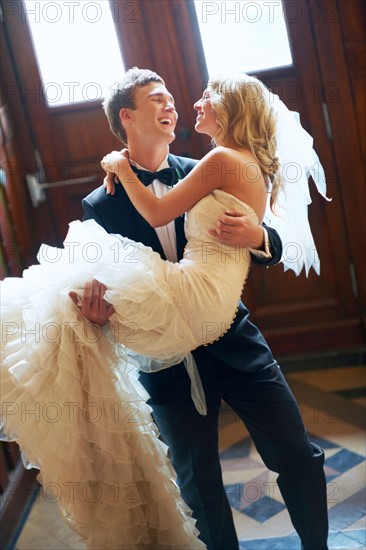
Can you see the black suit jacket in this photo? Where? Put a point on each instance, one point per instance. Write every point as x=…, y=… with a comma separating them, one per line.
x=118, y=215
x=243, y=346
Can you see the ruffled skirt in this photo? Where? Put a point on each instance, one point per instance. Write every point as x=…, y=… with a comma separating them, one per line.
x=71, y=398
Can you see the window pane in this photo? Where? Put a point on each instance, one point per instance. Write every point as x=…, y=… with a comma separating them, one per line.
x=243, y=36
x=76, y=47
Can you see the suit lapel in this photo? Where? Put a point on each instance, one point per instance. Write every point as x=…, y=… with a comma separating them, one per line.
x=132, y=225
x=180, y=236
x=147, y=235
x=122, y=217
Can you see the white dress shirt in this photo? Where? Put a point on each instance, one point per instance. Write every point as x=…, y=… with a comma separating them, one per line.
x=165, y=233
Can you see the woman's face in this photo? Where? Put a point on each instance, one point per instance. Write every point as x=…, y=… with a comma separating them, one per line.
x=206, y=122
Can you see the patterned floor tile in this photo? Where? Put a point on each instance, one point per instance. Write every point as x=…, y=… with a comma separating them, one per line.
x=344, y=460
x=359, y=536
x=280, y=543
x=234, y=494
x=239, y=450
x=341, y=541
x=322, y=442
x=337, y=541
x=344, y=514
x=263, y=509
x=358, y=500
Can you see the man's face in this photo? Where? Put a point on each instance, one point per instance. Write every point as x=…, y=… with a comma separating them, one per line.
x=155, y=117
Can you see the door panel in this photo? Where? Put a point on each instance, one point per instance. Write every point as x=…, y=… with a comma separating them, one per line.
x=299, y=314
x=296, y=313
x=70, y=139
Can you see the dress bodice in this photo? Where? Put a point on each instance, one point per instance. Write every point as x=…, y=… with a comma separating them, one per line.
x=204, y=214
x=208, y=282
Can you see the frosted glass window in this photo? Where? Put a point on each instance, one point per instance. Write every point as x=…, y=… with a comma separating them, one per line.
x=76, y=47
x=243, y=36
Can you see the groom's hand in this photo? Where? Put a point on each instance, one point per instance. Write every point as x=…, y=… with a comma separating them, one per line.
x=92, y=304
x=237, y=229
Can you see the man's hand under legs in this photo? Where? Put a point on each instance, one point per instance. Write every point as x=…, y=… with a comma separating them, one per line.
x=92, y=304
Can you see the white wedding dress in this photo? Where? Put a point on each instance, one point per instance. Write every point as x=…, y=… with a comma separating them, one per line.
x=70, y=391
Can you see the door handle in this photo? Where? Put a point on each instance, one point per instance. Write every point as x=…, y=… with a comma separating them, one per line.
x=36, y=189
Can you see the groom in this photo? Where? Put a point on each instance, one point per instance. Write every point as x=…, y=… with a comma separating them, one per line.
x=239, y=368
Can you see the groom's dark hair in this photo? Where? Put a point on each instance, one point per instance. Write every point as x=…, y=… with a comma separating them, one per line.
x=123, y=96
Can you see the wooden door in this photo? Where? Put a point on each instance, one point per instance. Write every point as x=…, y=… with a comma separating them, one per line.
x=319, y=313
x=296, y=314
x=65, y=143
x=18, y=487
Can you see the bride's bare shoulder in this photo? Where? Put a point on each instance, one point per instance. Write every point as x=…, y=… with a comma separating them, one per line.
x=241, y=160
x=242, y=155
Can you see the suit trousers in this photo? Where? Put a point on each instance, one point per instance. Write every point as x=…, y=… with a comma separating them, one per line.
x=266, y=405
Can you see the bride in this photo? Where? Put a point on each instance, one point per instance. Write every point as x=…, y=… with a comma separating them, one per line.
x=93, y=425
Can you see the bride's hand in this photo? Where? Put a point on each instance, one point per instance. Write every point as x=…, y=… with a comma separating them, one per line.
x=110, y=182
x=112, y=164
x=115, y=160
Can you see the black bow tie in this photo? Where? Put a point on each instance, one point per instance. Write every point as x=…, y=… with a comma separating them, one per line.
x=167, y=176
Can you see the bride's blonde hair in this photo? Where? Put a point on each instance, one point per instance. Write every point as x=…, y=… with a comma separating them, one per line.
x=244, y=113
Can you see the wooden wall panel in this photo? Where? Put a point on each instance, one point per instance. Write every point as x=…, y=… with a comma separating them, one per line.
x=15, y=228
x=17, y=488
x=345, y=124
x=18, y=144
x=352, y=18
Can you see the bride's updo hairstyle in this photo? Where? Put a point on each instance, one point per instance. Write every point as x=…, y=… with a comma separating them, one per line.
x=244, y=113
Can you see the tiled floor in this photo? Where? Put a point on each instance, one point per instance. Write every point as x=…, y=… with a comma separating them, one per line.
x=333, y=407
x=333, y=404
